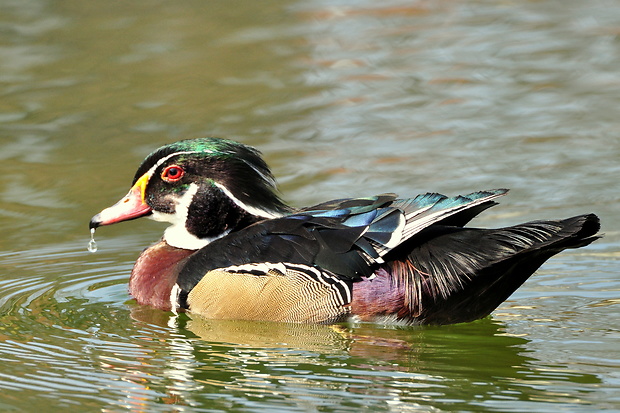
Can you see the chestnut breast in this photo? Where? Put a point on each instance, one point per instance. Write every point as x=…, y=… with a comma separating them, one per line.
x=155, y=273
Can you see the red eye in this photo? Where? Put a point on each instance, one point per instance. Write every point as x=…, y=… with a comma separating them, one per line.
x=172, y=173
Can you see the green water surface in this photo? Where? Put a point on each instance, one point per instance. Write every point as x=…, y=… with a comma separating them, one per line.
x=344, y=99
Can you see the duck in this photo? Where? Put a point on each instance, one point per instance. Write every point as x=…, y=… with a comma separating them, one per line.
x=235, y=250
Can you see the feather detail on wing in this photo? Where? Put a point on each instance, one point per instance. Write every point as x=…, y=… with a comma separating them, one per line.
x=462, y=274
x=379, y=224
x=346, y=237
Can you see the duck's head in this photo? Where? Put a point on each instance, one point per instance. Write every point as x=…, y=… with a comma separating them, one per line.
x=204, y=187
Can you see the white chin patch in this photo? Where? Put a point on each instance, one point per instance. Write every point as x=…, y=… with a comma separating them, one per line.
x=176, y=235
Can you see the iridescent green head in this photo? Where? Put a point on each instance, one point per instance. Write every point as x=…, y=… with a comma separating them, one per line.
x=204, y=187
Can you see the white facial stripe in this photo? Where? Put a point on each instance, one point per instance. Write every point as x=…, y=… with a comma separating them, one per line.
x=165, y=158
x=254, y=211
x=250, y=209
x=181, y=208
x=176, y=234
x=266, y=178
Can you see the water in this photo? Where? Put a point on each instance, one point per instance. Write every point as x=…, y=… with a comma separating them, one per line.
x=92, y=244
x=344, y=99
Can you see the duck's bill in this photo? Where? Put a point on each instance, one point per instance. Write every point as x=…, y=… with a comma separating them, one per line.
x=132, y=206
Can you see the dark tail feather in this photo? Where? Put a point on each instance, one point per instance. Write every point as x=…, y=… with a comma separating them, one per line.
x=462, y=274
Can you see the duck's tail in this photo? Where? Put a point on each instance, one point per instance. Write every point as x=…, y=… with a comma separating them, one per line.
x=455, y=274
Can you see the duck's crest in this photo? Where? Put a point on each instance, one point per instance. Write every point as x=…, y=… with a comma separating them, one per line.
x=239, y=170
x=216, y=147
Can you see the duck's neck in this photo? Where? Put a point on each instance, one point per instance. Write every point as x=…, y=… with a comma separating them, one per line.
x=155, y=273
x=202, y=221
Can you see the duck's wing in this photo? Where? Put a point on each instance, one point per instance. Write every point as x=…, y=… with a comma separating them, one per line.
x=345, y=237
x=326, y=248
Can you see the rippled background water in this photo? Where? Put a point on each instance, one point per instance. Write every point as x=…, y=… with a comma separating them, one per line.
x=345, y=99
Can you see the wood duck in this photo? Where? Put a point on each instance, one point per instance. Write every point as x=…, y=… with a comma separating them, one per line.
x=235, y=250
